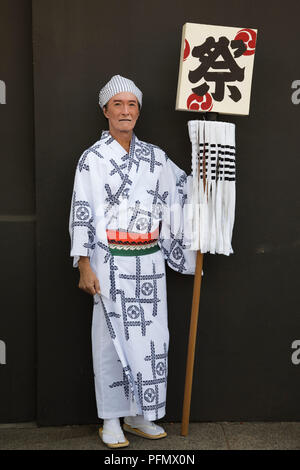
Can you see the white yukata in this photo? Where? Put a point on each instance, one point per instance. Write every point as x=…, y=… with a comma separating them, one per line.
x=130, y=336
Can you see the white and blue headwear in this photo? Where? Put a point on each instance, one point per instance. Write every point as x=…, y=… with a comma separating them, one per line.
x=118, y=84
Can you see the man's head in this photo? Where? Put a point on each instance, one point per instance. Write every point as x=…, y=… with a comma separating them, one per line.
x=121, y=101
x=122, y=111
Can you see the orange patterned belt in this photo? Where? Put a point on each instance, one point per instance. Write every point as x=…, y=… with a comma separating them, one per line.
x=122, y=243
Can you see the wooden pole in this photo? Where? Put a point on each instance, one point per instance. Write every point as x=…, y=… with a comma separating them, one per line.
x=194, y=320
x=191, y=346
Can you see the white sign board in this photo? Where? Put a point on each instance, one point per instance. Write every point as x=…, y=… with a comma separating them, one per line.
x=216, y=66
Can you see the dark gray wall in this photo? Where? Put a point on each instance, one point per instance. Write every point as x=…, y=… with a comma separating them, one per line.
x=17, y=215
x=249, y=301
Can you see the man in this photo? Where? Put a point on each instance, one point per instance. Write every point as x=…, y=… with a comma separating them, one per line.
x=127, y=217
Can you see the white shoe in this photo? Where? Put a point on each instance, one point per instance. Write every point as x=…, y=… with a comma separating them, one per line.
x=112, y=434
x=142, y=427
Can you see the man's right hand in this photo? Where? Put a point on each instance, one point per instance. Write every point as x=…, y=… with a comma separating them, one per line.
x=88, y=281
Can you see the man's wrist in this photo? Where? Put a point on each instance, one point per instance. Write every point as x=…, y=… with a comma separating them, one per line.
x=83, y=261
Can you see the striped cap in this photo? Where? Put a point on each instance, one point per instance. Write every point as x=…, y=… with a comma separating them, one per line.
x=118, y=84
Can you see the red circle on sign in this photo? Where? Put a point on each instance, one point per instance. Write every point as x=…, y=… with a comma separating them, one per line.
x=248, y=36
x=202, y=103
x=186, y=50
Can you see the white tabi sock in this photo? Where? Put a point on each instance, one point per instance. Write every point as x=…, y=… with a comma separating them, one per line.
x=143, y=424
x=112, y=431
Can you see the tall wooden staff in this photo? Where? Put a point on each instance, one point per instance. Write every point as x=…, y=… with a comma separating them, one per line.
x=194, y=318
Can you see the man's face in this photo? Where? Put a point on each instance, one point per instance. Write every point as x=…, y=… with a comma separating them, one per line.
x=122, y=112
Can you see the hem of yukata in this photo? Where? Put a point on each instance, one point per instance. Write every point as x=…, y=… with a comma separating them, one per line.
x=117, y=414
x=133, y=410
x=152, y=416
x=122, y=414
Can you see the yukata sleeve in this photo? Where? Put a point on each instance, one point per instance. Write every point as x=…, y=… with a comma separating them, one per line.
x=175, y=234
x=81, y=220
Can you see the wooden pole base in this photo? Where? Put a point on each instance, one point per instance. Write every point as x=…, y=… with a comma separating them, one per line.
x=191, y=346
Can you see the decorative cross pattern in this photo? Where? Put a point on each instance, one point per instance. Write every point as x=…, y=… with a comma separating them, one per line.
x=160, y=368
x=82, y=217
x=127, y=383
x=145, y=285
x=141, y=223
x=84, y=166
x=145, y=152
x=180, y=184
x=112, y=268
x=118, y=169
x=113, y=199
x=133, y=315
x=158, y=200
x=174, y=253
x=131, y=155
x=156, y=195
x=148, y=390
x=131, y=160
x=81, y=164
x=107, y=318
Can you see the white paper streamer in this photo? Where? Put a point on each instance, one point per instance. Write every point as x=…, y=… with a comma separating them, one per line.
x=213, y=160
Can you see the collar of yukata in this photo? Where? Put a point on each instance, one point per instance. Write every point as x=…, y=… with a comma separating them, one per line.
x=109, y=139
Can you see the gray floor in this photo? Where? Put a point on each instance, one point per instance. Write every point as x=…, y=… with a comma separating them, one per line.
x=208, y=436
